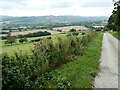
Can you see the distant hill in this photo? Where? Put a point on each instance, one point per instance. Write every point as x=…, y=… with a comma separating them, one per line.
x=51, y=19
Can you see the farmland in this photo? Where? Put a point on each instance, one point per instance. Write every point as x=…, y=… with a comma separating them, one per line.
x=34, y=59
x=32, y=31
x=59, y=44
x=10, y=49
x=52, y=60
x=26, y=47
x=67, y=28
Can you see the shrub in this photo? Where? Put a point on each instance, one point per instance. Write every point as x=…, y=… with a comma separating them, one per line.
x=83, y=33
x=59, y=30
x=10, y=40
x=23, y=40
x=35, y=34
x=72, y=30
x=3, y=37
x=36, y=40
x=75, y=33
x=49, y=37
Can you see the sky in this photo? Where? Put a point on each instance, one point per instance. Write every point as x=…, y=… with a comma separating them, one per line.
x=56, y=7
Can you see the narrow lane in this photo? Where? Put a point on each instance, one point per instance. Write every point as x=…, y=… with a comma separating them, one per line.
x=108, y=74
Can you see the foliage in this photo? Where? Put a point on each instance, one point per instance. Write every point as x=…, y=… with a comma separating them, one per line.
x=35, y=34
x=80, y=72
x=10, y=39
x=75, y=33
x=28, y=71
x=59, y=30
x=21, y=40
x=116, y=34
x=49, y=22
x=36, y=40
x=114, y=19
x=49, y=37
x=72, y=30
x=3, y=37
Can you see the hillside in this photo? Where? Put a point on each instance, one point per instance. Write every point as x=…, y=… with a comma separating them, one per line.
x=48, y=19
x=43, y=22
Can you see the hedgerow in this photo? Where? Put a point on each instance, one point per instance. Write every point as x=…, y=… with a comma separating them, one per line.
x=31, y=71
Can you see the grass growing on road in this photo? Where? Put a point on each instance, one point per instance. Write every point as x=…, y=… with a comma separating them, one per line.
x=81, y=71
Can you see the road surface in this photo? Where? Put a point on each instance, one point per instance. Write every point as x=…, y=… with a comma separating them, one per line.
x=108, y=74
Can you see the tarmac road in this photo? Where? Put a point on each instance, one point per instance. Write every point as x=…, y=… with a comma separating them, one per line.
x=108, y=75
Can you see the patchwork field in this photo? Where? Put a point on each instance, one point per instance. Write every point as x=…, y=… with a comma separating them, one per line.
x=32, y=31
x=67, y=28
x=54, y=31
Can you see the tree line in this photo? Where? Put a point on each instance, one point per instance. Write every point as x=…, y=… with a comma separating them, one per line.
x=114, y=19
x=23, y=38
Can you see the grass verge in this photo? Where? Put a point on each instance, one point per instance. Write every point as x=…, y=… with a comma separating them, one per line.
x=116, y=34
x=80, y=72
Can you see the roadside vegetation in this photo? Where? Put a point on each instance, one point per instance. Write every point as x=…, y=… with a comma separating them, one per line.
x=79, y=73
x=71, y=62
x=116, y=34
x=114, y=21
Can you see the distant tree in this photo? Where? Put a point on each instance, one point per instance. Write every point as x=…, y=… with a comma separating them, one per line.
x=20, y=29
x=22, y=40
x=75, y=33
x=114, y=19
x=59, y=30
x=49, y=37
x=10, y=39
x=25, y=39
x=111, y=21
x=72, y=30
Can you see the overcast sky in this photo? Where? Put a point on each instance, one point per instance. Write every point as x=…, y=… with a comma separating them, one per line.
x=56, y=7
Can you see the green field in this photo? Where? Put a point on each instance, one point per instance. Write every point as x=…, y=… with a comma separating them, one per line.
x=25, y=47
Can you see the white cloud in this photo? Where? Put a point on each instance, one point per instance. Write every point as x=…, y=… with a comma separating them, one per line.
x=56, y=7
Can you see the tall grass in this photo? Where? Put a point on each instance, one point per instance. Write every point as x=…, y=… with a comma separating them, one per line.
x=116, y=34
x=27, y=71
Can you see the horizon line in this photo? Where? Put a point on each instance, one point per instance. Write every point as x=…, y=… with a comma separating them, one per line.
x=52, y=15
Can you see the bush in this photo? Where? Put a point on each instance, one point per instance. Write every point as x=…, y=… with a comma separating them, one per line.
x=59, y=30
x=10, y=40
x=72, y=30
x=49, y=37
x=23, y=40
x=3, y=37
x=75, y=33
x=36, y=34
x=36, y=40
x=83, y=33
